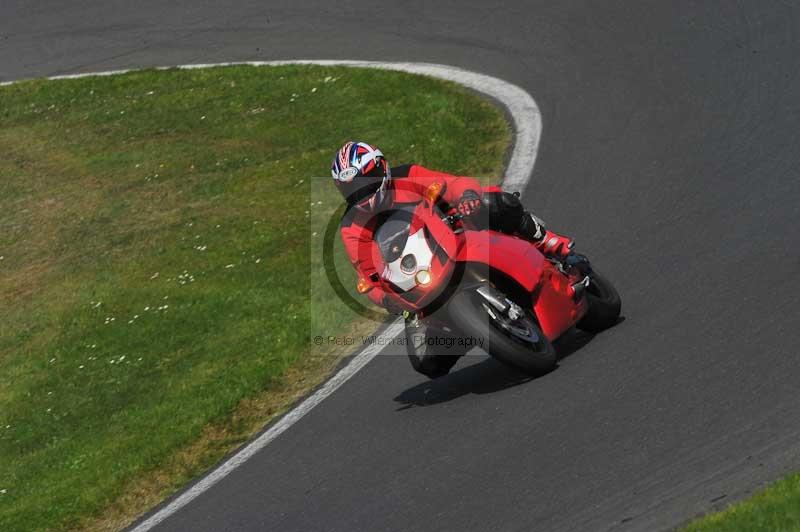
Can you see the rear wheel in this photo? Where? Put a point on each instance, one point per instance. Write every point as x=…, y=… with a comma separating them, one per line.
x=604, y=304
x=517, y=342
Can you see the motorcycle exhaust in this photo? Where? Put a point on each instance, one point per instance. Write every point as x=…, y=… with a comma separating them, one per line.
x=579, y=287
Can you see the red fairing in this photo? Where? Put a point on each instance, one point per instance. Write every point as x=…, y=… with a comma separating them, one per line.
x=553, y=303
x=509, y=254
x=443, y=235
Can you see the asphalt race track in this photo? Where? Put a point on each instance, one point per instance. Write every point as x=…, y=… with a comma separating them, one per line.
x=669, y=150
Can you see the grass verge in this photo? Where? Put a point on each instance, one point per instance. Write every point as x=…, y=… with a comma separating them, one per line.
x=776, y=508
x=157, y=240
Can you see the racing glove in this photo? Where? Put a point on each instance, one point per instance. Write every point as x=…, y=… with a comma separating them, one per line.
x=469, y=203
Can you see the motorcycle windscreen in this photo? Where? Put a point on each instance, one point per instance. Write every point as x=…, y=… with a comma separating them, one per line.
x=392, y=235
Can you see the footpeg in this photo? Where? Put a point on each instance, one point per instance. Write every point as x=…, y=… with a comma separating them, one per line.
x=580, y=287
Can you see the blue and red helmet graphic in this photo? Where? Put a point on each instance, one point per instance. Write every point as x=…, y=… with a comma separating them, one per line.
x=358, y=159
x=362, y=175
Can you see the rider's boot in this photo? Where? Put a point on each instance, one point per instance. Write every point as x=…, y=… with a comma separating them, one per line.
x=506, y=214
x=548, y=242
x=555, y=245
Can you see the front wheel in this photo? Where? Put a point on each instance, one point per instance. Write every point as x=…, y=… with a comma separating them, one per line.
x=517, y=342
x=604, y=304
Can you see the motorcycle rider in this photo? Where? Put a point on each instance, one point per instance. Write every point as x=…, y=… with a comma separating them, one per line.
x=370, y=187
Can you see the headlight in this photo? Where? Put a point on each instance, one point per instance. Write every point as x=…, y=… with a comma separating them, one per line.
x=423, y=277
x=408, y=264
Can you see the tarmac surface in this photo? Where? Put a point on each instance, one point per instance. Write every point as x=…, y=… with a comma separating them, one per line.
x=669, y=151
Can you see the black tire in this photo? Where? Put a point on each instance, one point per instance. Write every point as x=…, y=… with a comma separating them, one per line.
x=534, y=355
x=605, y=305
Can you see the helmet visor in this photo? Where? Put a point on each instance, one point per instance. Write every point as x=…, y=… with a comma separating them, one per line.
x=374, y=196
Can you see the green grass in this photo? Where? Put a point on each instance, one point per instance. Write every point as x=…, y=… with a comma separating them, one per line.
x=158, y=286
x=777, y=508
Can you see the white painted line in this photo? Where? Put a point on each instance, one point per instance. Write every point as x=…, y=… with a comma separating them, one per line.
x=276, y=430
x=527, y=131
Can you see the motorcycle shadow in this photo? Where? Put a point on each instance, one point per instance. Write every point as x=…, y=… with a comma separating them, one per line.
x=572, y=341
x=486, y=376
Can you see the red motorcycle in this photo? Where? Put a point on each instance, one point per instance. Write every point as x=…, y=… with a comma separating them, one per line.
x=484, y=288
